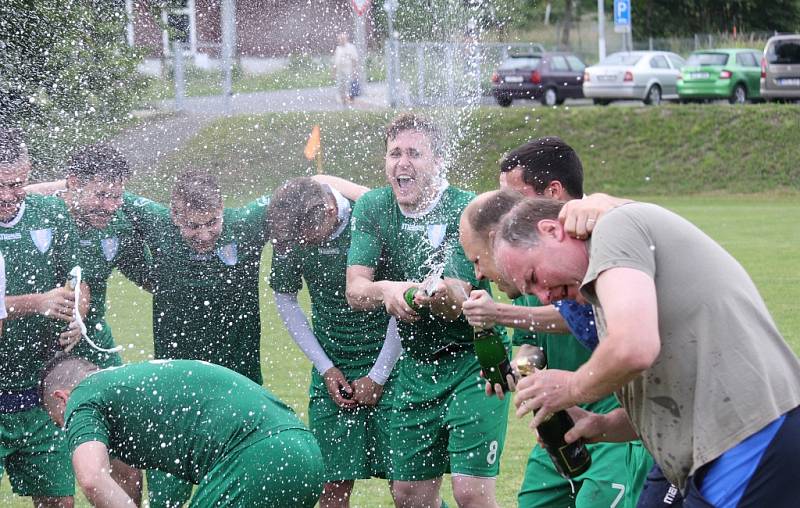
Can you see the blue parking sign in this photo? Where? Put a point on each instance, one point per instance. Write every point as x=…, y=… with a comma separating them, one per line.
x=622, y=15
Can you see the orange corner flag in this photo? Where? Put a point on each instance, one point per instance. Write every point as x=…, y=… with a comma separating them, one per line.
x=313, y=146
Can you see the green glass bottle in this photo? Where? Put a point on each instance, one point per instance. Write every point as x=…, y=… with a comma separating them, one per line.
x=571, y=459
x=409, y=297
x=492, y=356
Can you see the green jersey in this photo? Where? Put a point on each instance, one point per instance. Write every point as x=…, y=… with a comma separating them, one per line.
x=351, y=339
x=100, y=251
x=205, y=306
x=181, y=416
x=407, y=247
x=39, y=250
x=563, y=352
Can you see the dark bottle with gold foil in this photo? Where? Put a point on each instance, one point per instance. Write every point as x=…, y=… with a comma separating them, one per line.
x=571, y=459
x=492, y=356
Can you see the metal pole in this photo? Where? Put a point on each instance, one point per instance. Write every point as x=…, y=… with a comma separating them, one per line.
x=180, y=82
x=360, y=40
x=228, y=15
x=601, y=31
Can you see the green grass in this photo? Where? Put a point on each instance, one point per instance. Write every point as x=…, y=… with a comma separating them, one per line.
x=253, y=155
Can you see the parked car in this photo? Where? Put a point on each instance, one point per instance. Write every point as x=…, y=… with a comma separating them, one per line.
x=731, y=74
x=549, y=77
x=648, y=76
x=780, y=68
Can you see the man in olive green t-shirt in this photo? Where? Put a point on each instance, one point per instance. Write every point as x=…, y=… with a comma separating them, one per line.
x=199, y=422
x=706, y=379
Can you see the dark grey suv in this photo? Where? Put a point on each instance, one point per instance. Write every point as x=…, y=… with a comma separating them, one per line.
x=549, y=77
x=780, y=68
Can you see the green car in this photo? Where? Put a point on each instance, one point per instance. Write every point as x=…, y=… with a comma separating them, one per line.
x=732, y=74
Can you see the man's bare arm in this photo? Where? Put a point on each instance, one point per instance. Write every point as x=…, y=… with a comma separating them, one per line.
x=580, y=216
x=93, y=472
x=46, y=188
x=350, y=190
x=365, y=293
x=483, y=311
x=631, y=344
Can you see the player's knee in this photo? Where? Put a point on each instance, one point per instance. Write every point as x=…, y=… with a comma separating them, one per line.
x=408, y=494
x=336, y=494
x=473, y=495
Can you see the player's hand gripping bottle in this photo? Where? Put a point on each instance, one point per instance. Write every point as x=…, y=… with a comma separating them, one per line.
x=571, y=459
x=492, y=356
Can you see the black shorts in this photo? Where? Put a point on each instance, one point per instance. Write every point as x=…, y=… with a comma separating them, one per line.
x=658, y=492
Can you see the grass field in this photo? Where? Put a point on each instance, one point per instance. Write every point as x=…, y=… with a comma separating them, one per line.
x=253, y=154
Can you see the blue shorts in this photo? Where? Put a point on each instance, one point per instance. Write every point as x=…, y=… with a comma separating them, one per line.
x=658, y=492
x=773, y=483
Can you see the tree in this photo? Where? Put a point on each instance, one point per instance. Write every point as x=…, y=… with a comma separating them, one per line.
x=67, y=75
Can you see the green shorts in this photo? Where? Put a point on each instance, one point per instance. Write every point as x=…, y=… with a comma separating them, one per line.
x=35, y=454
x=281, y=470
x=443, y=421
x=354, y=442
x=614, y=480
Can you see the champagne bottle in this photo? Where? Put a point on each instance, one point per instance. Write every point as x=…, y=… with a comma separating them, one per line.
x=409, y=297
x=572, y=459
x=492, y=356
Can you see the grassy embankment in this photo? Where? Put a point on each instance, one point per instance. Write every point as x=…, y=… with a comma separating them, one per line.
x=698, y=159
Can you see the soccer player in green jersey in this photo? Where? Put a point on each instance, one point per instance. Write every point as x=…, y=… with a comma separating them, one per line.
x=204, y=280
x=199, y=422
x=547, y=167
x=443, y=421
x=353, y=354
x=37, y=241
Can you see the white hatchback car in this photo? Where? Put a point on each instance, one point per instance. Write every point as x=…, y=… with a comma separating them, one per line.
x=648, y=76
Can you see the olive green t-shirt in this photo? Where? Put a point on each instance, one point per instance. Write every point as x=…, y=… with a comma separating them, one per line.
x=177, y=416
x=351, y=339
x=724, y=371
x=205, y=306
x=405, y=248
x=39, y=246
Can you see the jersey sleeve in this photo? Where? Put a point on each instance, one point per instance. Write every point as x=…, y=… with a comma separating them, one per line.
x=365, y=241
x=134, y=260
x=286, y=274
x=249, y=221
x=147, y=217
x=86, y=423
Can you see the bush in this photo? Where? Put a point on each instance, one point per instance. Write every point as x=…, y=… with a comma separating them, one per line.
x=67, y=76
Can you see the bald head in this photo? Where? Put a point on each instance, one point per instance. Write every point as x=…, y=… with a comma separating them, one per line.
x=479, y=221
x=58, y=379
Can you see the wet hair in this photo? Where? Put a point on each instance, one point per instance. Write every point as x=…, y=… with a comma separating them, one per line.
x=412, y=122
x=485, y=212
x=99, y=160
x=63, y=371
x=297, y=206
x=197, y=190
x=544, y=160
x=12, y=146
x=518, y=226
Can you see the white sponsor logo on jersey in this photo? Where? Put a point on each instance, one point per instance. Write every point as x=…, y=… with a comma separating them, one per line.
x=110, y=247
x=140, y=202
x=10, y=236
x=263, y=201
x=330, y=251
x=413, y=227
x=228, y=254
x=42, y=238
x=436, y=234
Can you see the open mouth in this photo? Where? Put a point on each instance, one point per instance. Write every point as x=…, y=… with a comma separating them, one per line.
x=404, y=182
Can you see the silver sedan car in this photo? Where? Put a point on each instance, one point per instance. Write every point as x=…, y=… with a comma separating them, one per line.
x=648, y=76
